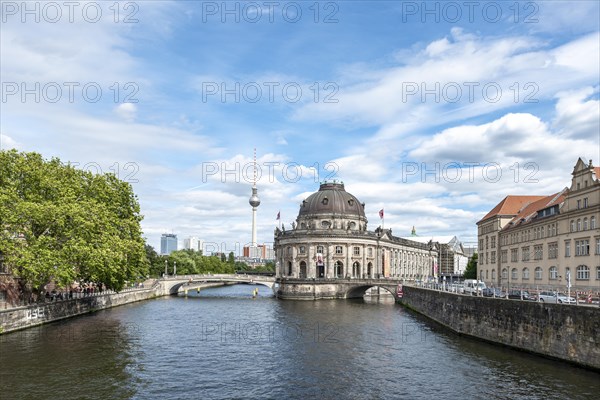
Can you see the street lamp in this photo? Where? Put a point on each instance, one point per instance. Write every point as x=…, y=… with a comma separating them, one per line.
x=166, y=262
x=174, y=268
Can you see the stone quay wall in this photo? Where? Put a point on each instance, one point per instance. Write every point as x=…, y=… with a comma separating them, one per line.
x=566, y=332
x=14, y=319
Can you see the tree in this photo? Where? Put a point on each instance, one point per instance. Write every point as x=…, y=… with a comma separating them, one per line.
x=64, y=224
x=471, y=270
x=231, y=258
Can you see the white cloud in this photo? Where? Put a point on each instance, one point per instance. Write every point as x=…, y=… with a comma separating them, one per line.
x=6, y=142
x=126, y=111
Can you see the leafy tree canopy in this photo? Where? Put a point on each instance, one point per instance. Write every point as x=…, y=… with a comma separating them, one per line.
x=471, y=270
x=64, y=224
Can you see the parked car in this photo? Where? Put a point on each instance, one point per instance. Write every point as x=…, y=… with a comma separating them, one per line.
x=473, y=286
x=563, y=298
x=493, y=292
x=520, y=295
x=547, y=297
x=554, y=297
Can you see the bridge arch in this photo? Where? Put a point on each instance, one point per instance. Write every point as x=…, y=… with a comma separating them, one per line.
x=359, y=291
x=173, y=286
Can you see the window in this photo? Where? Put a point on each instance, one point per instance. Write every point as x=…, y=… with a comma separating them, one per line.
x=585, y=200
x=325, y=224
x=582, y=247
x=585, y=224
x=302, y=249
x=583, y=272
x=494, y=273
x=553, y=273
x=593, y=223
x=504, y=256
x=370, y=251
x=525, y=255
x=538, y=273
x=598, y=273
x=572, y=226
x=598, y=246
x=567, y=248
x=553, y=250
x=538, y=252
x=525, y=273
x=493, y=260
x=578, y=225
x=514, y=255
x=339, y=250
x=504, y=273
x=513, y=274
x=357, y=251
x=320, y=249
x=493, y=242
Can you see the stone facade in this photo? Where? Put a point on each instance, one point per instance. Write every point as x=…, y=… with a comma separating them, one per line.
x=330, y=240
x=539, y=241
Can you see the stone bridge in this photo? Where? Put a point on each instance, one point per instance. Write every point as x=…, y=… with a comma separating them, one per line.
x=179, y=283
x=342, y=288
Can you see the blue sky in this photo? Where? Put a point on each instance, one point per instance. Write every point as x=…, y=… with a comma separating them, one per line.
x=432, y=110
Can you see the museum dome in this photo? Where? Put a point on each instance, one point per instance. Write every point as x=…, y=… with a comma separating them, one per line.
x=332, y=200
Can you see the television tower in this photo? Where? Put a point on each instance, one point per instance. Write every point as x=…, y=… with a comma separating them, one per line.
x=254, y=202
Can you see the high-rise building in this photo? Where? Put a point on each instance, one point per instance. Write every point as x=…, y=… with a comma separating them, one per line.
x=193, y=243
x=168, y=243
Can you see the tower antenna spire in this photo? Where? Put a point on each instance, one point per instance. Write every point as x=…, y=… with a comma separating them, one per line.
x=254, y=181
x=254, y=202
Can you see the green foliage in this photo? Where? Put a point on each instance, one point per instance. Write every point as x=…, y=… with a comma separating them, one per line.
x=231, y=258
x=63, y=224
x=471, y=270
x=191, y=262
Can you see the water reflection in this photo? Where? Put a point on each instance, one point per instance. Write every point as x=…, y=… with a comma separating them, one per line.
x=78, y=358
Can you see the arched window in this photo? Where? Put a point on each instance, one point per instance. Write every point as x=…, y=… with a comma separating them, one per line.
x=572, y=226
x=585, y=224
x=593, y=223
x=553, y=273
x=356, y=269
x=583, y=272
x=504, y=273
x=303, y=269
x=289, y=268
x=525, y=273
x=538, y=273
x=578, y=225
x=513, y=274
x=339, y=269
x=493, y=274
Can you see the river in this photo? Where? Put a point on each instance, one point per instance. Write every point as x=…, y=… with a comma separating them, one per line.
x=222, y=343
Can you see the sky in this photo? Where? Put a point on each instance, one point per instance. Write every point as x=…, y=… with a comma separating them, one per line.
x=433, y=111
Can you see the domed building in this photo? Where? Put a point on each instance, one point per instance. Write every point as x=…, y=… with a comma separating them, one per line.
x=330, y=240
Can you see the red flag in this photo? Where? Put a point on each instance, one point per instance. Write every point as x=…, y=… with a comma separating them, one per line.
x=278, y=215
x=381, y=213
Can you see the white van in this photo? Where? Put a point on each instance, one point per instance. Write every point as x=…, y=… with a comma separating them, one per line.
x=474, y=286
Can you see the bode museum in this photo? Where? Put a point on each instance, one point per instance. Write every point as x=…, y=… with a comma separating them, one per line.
x=329, y=241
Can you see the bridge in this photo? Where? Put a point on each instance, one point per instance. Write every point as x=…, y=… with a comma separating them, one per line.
x=336, y=288
x=180, y=283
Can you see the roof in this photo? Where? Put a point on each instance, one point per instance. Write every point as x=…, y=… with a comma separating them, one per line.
x=511, y=205
x=597, y=172
x=332, y=199
x=530, y=212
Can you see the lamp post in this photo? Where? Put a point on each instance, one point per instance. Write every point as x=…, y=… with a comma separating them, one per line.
x=174, y=268
x=166, y=263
